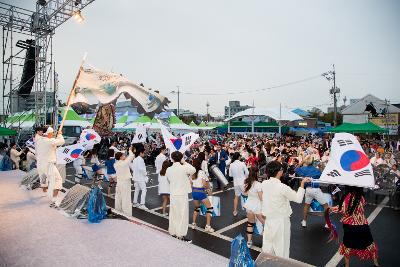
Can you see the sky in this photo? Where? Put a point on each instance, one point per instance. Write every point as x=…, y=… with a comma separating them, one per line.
x=227, y=46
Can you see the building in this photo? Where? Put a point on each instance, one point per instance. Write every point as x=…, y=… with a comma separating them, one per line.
x=233, y=108
x=339, y=109
x=19, y=104
x=125, y=106
x=182, y=112
x=378, y=111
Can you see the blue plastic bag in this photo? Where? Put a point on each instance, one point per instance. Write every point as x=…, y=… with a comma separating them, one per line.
x=6, y=163
x=96, y=208
x=240, y=253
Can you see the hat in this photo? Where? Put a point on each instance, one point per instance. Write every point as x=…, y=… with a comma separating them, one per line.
x=49, y=131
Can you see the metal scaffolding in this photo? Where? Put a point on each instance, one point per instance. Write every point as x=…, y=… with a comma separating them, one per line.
x=39, y=25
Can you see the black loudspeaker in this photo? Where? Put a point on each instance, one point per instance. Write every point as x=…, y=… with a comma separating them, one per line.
x=269, y=260
x=28, y=74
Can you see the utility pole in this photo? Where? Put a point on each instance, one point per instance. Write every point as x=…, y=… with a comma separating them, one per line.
x=386, y=117
x=178, y=92
x=331, y=75
x=208, y=114
x=178, y=100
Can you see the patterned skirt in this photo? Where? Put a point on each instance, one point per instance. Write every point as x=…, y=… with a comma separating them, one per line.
x=358, y=241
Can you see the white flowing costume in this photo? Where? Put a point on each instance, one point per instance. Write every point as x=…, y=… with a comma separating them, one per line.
x=178, y=176
x=276, y=208
x=123, y=201
x=163, y=184
x=140, y=179
x=46, y=162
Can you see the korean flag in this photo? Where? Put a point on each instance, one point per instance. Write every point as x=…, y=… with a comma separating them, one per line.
x=140, y=135
x=348, y=164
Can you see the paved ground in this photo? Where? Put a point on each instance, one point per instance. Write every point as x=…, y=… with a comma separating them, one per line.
x=308, y=245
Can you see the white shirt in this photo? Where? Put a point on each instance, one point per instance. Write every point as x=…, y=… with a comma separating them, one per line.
x=178, y=176
x=45, y=149
x=204, y=167
x=115, y=149
x=139, y=171
x=159, y=162
x=198, y=182
x=95, y=160
x=276, y=198
x=14, y=154
x=122, y=168
x=239, y=172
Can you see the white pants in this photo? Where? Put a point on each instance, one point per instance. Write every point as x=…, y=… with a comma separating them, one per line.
x=140, y=186
x=276, y=237
x=178, y=215
x=314, y=193
x=78, y=167
x=123, y=197
x=53, y=179
x=63, y=171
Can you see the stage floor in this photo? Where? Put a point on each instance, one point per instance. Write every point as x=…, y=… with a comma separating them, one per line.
x=33, y=234
x=308, y=245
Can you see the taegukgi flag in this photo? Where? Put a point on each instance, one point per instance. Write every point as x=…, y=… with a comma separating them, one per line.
x=89, y=138
x=67, y=154
x=348, y=164
x=140, y=135
x=95, y=86
x=180, y=144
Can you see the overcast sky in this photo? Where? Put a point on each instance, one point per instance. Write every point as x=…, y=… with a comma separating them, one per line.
x=221, y=46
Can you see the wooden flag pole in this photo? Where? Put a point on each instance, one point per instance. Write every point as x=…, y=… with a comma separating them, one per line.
x=70, y=95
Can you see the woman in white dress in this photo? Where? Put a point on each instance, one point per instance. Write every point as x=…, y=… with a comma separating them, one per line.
x=252, y=188
x=163, y=185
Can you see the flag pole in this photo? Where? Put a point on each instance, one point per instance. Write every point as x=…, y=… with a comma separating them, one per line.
x=70, y=95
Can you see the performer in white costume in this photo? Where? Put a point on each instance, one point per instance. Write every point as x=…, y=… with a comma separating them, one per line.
x=40, y=164
x=178, y=176
x=276, y=208
x=140, y=179
x=163, y=184
x=123, y=201
x=46, y=160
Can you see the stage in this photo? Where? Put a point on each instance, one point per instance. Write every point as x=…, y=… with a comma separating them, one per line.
x=33, y=234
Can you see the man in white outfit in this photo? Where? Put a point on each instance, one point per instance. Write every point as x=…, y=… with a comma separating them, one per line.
x=123, y=201
x=46, y=160
x=160, y=159
x=39, y=131
x=276, y=208
x=239, y=172
x=140, y=179
x=179, y=178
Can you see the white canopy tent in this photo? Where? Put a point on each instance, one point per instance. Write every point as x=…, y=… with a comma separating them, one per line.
x=279, y=114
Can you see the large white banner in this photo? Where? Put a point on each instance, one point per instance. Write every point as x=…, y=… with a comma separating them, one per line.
x=348, y=164
x=180, y=144
x=94, y=86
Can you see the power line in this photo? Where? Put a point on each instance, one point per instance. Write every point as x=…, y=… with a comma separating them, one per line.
x=257, y=90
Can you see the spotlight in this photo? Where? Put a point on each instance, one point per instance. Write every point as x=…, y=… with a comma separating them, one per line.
x=78, y=16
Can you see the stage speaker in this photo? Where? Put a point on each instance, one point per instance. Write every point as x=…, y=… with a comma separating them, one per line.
x=28, y=74
x=269, y=260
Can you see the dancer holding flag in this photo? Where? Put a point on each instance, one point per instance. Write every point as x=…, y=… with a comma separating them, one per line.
x=276, y=208
x=348, y=165
x=46, y=155
x=357, y=237
x=178, y=175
